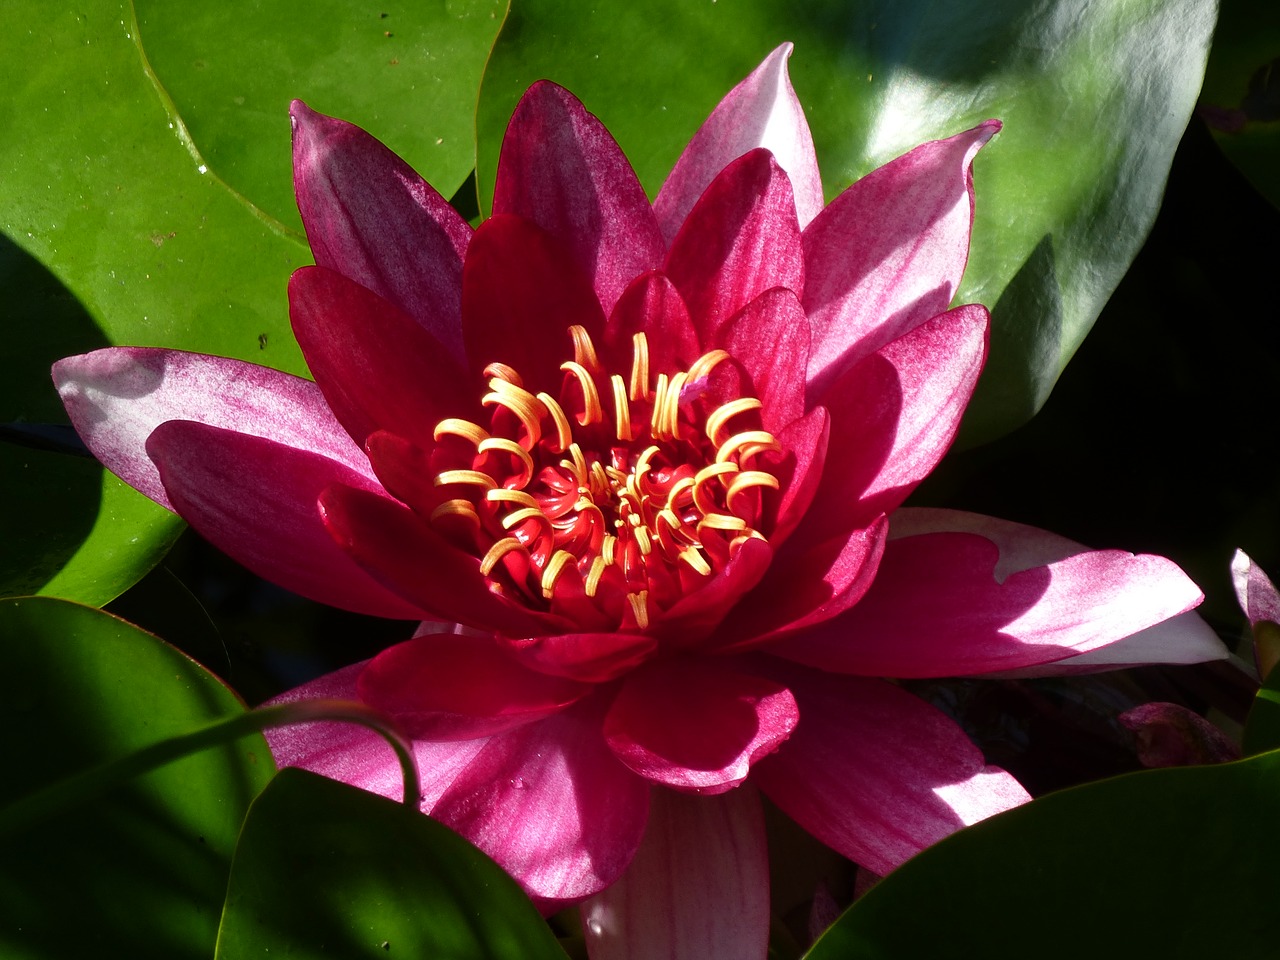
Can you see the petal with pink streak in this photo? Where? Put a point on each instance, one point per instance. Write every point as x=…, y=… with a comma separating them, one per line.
x=698, y=888
x=354, y=754
x=770, y=338
x=521, y=291
x=398, y=548
x=378, y=368
x=740, y=239
x=255, y=500
x=888, y=253
x=895, y=413
x=937, y=609
x=876, y=773
x=552, y=805
x=761, y=111
x=118, y=395
x=561, y=169
x=370, y=217
x=449, y=686
x=697, y=724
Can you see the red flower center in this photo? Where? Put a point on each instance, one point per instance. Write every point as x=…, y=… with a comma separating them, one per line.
x=613, y=501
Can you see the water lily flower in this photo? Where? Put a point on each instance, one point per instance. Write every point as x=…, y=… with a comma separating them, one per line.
x=1260, y=601
x=637, y=468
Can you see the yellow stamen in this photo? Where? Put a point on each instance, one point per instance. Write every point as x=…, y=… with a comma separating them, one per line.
x=552, y=571
x=564, y=433
x=504, y=495
x=592, y=583
x=745, y=480
x=702, y=498
x=723, y=414
x=659, y=398
x=607, y=548
x=452, y=426
x=640, y=607
x=639, y=367
x=522, y=403
x=758, y=440
x=642, y=540
x=495, y=553
x=703, y=366
x=621, y=412
x=722, y=521
x=584, y=351
x=457, y=508
x=474, y=477
x=678, y=489
x=695, y=559
x=517, y=451
x=517, y=517
x=504, y=372
x=592, y=412
x=671, y=405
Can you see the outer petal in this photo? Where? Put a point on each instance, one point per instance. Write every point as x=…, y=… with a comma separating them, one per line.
x=740, y=240
x=378, y=368
x=449, y=686
x=118, y=395
x=356, y=755
x=255, y=500
x=876, y=773
x=552, y=805
x=761, y=111
x=889, y=251
x=698, y=888
x=1255, y=592
x=561, y=169
x=697, y=725
x=370, y=217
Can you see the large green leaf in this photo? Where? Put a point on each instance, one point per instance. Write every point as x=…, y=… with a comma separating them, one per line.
x=1164, y=863
x=140, y=871
x=323, y=870
x=146, y=199
x=1094, y=98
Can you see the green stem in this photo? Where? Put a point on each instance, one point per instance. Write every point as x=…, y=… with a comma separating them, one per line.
x=75, y=790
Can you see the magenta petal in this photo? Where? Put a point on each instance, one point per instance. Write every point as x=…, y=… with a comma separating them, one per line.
x=552, y=805
x=770, y=338
x=877, y=774
x=895, y=413
x=118, y=395
x=255, y=500
x=355, y=754
x=889, y=251
x=653, y=306
x=761, y=111
x=370, y=217
x=399, y=549
x=807, y=441
x=378, y=368
x=697, y=725
x=698, y=888
x=449, y=686
x=740, y=240
x=688, y=621
x=1256, y=594
x=940, y=607
x=561, y=169
x=593, y=657
x=521, y=291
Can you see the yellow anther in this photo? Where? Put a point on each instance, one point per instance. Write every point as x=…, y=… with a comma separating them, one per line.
x=600, y=486
x=607, y=548
x=517, y=517
x=703, y=366
x=503, y=372
x=640, y=607
x=517, y=451
x=744, y=481
x=552, y=571
x=584, y=351
x=695, y=559
x=527, y=408
x=639, y=367
x=722, y=521
x=457, y=508
x=678, y=489
x=643, y=465
x=723, y=414
x=592, y=583
x=564, y=433
x=621, y=411
x=659, y=398
x=473, y=477
x=671, y=405
x=504, y=495
x=702, y=497
x=642, y=540
x=452, y=426
x=758, y=440
x=499, y=550
x=578, y=464
x=592, y=412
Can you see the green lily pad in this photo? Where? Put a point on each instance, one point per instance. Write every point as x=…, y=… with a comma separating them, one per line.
x=140, y=871
x=1164, y=863
x=1094, y=98
x=323, y=869
x=146, y=167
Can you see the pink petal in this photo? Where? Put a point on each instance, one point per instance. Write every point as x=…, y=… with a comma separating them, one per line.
x=521, y=291
x=698, y=888
x=449, y=686
x=888, y=252
x=1170, y=735
x=552, y=805
x=117, y=396
x=688, y=621
x=378, y=368
x=697, y=724
x=938, y=608
x=895, y=413
x=370, y=217
x=593, y=657
x=255, y=500
x=561, y=169
x=653, y=306
x=876, y=773
x=740, y=240
x=1255, y=592
x=399, y=549
x=770, y=338
x=807, y=441
x=355, y=754
x=761, y=111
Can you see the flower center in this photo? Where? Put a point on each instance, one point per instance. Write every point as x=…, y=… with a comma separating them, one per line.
x=612, y=502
